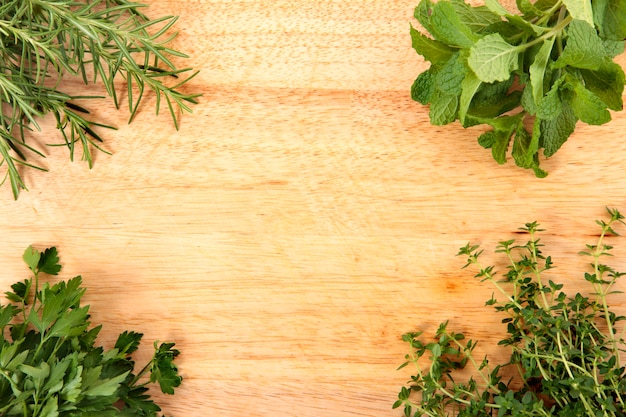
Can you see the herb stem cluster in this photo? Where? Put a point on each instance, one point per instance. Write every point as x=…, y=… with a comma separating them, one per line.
x=49, y=362
x=565, y=352
x=528, y=77
x=96, y=41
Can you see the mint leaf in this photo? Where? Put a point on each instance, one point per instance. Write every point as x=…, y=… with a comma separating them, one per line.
x=494, y=99
x=584, y=48
x=469, y=87
x=493, y=59
x=431, y=49
x=548, y=66
x=537, y=69
x=588, y=107
x=477, y=19
x=423, y=12
x=499, y=138
x=550, y=105
x=443, y=109
x=610, y=18
x=449, y=78
x=526, y=146
x=423, y=87
x=496, y=7
x=607, y=82
x=555, y=132
x=580, y=9
x=447, y=26
x=613, y=48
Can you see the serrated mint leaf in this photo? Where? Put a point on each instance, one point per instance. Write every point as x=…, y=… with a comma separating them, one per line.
x=584, y=48
x=422, y=13
x=496, y=7
x=555, y=132
x=443, y=109
x=448, y=27
x=613, y=48
x=493, y=59
x=431, y=49
x=610, y=18
x=607, y=82
x=525, y=146
x=469, y=87
x=477, y=19
x=549, y=106
x=549, y=65
x=449, y=78
x=588, y=107
x=528, y=102
x=537, y=69
x=526, y=7
x=501, y=140
x=487, y=139
x=423, y=87
x=580, y=9
x=494, y=99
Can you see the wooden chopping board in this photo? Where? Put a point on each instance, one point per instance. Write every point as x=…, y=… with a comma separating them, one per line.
x=304, y=217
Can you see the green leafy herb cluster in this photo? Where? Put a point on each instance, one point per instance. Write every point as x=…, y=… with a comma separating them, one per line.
x=565, y=351
x=530, y=76
x=50, y=365
x=44, y=44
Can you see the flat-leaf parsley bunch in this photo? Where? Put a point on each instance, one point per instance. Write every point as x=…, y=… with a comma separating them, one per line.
x=44, y=43
x=565, y=350
x=50, y=365
x=529, y=76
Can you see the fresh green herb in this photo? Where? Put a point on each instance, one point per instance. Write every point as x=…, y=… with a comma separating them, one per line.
x=565, y=351
x=45, y=44
x=529, y=76
x=50, y=365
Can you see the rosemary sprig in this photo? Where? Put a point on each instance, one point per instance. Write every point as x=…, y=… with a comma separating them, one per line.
x=43, y=42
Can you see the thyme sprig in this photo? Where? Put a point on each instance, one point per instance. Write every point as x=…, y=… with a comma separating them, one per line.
x=44, y=43
x=565, y=351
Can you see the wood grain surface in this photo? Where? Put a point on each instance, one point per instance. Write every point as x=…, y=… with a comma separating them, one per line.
x=306, y=214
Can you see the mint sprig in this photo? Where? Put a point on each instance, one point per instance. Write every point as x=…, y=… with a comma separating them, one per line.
x=529, y=77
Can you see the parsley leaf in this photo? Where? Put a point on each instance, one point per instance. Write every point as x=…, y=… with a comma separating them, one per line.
x=530, y=76
x=50, y=363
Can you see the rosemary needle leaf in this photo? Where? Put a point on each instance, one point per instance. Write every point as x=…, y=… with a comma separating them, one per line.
x=100, y=41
